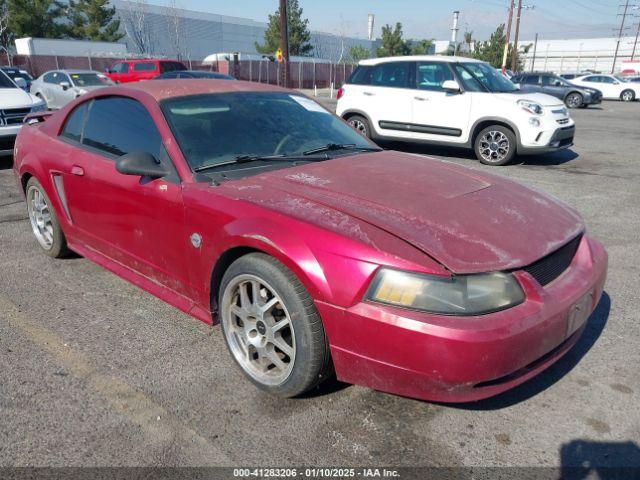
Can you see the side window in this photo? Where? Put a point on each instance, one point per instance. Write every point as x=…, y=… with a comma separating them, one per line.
x=593, y=78
x=606, y=80
x=360, y=76
x=75, y=121
x=144, y=67
x=119, y=125
x=49, y=77
x=431, y=75
x=391, y=74
x=62, y=77
x=531, y=80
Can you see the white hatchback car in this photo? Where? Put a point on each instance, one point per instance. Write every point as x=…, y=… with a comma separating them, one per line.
x=611, y=86
x=453, y=101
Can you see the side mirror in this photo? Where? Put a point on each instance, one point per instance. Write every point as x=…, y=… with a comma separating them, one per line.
x=107, y=70
x=65, y=85
x=451, y=86
x=142, y=164
x=616, y=83
x=21, y=82
x=518, y=86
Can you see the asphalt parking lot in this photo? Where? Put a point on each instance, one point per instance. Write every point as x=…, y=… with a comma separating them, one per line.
x=95, y=372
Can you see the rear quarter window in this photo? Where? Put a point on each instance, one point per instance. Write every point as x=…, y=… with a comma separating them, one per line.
x=74, y=123
x=360, y=76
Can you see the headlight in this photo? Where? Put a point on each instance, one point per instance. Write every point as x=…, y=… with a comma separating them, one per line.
x=456, y=295
x=531, y=107
x=39, y=107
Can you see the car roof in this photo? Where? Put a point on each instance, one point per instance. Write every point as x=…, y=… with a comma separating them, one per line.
x=70, y=71
x=419, y=58
x=170, y=88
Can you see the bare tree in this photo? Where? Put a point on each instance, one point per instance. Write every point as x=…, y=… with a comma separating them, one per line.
x=136, y=25
x=174, y=25
x=5, y=34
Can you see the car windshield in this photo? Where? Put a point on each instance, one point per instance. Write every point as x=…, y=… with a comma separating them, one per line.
x=485, y=75
x=89, y=79
x=6, y=82
x=214, y=129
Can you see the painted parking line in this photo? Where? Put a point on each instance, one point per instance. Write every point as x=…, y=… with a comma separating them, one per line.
x=157, y=424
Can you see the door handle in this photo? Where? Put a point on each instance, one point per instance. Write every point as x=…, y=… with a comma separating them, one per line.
x=420, y=99
x=76, y=170
x=368, y=94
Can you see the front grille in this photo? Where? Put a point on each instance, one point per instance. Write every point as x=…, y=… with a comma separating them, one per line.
x=562, y=121
x=547, y=269
x=13, y=116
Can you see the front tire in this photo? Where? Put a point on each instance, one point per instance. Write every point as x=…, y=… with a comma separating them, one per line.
x=574, y=100
x=44, y=222
x=628, y=95
x=360, y=124
x=495, y=145
x=271, y=326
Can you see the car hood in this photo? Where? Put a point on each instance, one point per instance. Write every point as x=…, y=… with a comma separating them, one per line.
x=467, y=220
x=541, y=98
x=15, y=98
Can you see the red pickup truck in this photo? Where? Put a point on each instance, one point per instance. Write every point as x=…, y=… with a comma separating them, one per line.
x=135, y=70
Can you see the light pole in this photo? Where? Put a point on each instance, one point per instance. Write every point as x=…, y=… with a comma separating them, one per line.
x=284, y=43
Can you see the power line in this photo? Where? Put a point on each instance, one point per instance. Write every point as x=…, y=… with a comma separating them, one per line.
x=624, y=17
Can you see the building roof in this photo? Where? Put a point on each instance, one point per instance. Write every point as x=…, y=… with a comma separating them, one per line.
x=418, y=58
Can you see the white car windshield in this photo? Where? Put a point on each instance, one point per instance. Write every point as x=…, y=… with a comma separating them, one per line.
x=481, y=77
x=6, y=82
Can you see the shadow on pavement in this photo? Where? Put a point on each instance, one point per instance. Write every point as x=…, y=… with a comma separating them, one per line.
x=584, y=459
x=555, y=372
x=6, y=163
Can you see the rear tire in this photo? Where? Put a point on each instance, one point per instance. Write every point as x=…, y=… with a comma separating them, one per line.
x=628, y=95
x=282, y=348
x=44, y=222
x=574, y=100
x=495, y=145
x=360, y=124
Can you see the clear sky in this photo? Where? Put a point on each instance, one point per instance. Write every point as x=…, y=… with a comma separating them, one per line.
x=432, y=18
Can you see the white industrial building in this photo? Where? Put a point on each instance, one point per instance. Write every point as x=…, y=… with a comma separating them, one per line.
x=578, y=54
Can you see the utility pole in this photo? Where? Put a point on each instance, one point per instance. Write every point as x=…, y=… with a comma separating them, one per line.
x=284, y=43
x=506, y=45
x=535, y=49
x=514, y=57
x=635, y=43
x=624, y=16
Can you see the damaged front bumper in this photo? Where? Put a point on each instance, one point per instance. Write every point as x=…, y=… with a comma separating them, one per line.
x=460, y=359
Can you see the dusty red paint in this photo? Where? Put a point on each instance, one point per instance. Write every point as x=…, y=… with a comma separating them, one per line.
x=334, y=223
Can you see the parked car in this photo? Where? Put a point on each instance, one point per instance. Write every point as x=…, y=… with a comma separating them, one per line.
x=255, y=207
x=193, y=74
x=612, y=87
x=18, y=76
x=633, y=78
x=136, y=70
x=452, y=101
x=59, y=87
x=15, y=104
x=572, y=95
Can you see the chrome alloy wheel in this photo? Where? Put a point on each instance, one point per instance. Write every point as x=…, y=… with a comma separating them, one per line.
x=627, y=96
x=359, y=126
x=494, y=146
x=258, y=329
x=40, y=217
x=574, y=100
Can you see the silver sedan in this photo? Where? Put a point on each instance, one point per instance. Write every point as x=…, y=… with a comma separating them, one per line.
x=59, y=87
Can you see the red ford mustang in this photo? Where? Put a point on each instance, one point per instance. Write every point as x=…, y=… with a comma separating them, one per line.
x=253, y=206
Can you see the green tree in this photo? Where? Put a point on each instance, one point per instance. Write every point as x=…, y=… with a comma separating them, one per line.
x=392, y=42
x=36, y=18
x=299, y=35
x=468, y=39
x=357, y=53
x=492, y=50
x=94, y=20
x=421, y=47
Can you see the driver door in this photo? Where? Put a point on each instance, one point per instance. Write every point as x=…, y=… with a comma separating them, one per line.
x=135, y=221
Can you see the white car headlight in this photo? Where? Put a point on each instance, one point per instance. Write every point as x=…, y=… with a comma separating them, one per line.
x=531, y=107
x=455, y=295
x=39, y=107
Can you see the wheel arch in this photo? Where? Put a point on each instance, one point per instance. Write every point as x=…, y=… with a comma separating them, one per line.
x=485, y=122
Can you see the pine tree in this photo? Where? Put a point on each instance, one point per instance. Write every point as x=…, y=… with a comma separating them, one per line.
x=94, y=20
x=492, y=50
x=299, y=35
x=392, y=43
x=36, y=18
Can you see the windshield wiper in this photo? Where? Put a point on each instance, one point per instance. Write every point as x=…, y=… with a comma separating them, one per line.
x=341, y=146
x=249, y=158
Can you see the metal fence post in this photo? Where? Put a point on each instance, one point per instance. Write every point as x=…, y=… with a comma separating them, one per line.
x=57, y=65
